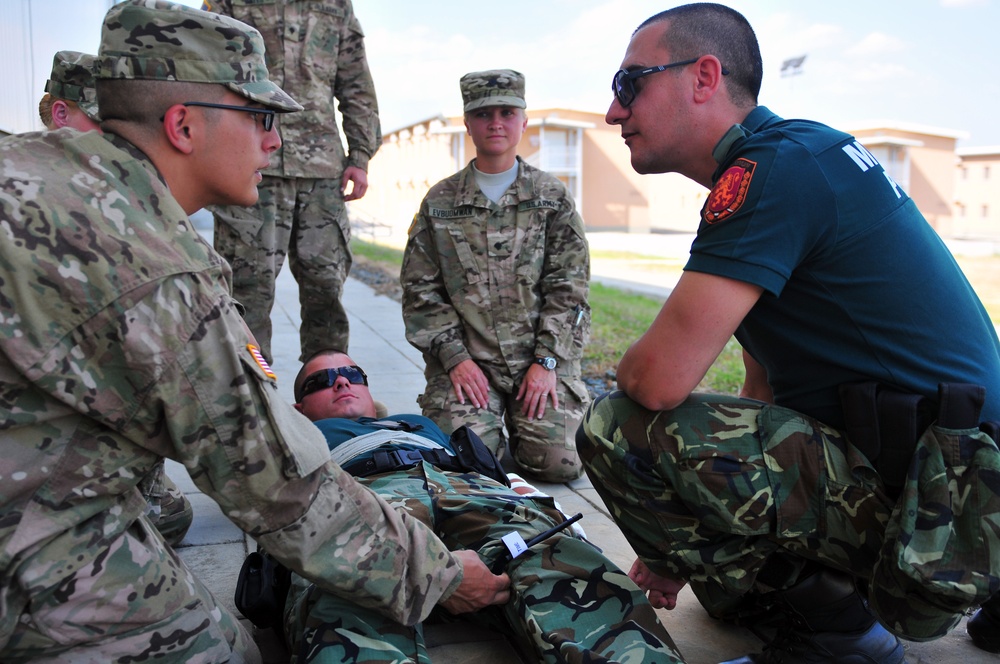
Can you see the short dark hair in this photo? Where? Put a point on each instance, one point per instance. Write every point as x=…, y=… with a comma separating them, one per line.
x=706, y=28
x=144, y=102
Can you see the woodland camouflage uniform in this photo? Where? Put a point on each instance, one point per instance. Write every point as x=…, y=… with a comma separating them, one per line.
x=713, y=489
x=569, y=603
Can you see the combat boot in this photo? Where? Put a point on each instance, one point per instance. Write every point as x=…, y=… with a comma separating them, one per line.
x=826, y=620
x=175, y=513
x=984, y=626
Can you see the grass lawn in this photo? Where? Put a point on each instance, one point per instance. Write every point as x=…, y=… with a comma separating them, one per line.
x=619, y=318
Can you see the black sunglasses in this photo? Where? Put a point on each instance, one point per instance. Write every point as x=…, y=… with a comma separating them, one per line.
x=623, y=83
x=267, y=114
x=325, y=378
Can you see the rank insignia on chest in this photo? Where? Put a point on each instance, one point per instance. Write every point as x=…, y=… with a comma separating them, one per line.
x=258, y=357
x=729, y=192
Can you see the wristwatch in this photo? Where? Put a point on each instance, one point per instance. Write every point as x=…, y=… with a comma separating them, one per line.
x=547, y=362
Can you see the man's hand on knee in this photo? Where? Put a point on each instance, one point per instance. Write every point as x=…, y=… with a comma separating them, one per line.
x=661, y=590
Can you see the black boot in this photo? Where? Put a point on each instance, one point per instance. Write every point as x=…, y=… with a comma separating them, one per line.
x=984, y=627
x=827, y=621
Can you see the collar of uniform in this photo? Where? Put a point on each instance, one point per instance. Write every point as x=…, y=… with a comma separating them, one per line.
x=753, y=122
x=125, y=146
x=468, y=191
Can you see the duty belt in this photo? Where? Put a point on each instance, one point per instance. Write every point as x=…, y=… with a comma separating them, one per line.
x=386, y=461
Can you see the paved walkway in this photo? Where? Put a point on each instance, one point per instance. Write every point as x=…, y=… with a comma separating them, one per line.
x=214, y=548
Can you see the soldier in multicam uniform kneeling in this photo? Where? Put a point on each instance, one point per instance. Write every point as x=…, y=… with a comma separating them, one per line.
x=121, y=345
x=495, y=279
x=70, y=100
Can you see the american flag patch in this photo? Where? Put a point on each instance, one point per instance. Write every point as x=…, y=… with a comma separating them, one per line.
x=261, y=362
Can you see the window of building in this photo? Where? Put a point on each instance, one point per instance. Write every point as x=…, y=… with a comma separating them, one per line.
x=896, y=162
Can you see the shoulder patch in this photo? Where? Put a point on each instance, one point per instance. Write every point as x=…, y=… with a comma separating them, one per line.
x=261, y=362
x=729, y=192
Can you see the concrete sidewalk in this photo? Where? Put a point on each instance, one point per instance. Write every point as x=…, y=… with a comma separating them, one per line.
x=214, y=548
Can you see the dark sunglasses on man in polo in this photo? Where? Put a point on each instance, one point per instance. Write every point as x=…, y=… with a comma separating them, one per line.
x=325, y=378
x=623, y=82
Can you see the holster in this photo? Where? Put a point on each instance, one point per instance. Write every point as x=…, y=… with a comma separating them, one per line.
x=261, y=590
x=885, y=424
x=473, y=454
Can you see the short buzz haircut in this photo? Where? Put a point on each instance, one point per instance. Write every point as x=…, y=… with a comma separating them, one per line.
x=144, y=102
x=300, y=377
x=705, y=28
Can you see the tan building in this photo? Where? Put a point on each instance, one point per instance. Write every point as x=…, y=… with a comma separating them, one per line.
x=977, y=194
x=951, y=187
x=576, y=146
x=919, y=159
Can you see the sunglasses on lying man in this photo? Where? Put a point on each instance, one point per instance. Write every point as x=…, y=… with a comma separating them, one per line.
x=325, y=378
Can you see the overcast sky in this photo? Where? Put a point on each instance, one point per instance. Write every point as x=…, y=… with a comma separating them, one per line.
x=916, y=62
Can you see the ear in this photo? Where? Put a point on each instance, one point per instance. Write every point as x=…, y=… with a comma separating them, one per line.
x=708, y=78
x=297, y=406
x=177, y=125
x=465, y=120
x=60, y=114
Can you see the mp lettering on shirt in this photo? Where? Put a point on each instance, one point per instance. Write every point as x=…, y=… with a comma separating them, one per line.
x=865, y=160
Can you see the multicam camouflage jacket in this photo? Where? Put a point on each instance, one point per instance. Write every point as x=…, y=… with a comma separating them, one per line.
x=315, y=51
x=120, y=345
x=498, y=283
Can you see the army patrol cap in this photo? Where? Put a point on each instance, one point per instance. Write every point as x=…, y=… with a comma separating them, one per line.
x=165, y=41
x=494, y=87
x=72, y=79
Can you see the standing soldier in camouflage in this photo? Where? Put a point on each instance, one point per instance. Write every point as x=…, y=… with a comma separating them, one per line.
x=569, y=602
x=316, y=52
x=820, y=499
x=70, y=99
x=120, y=345
x=495, y=279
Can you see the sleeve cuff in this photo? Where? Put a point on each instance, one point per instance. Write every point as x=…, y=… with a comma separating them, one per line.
x=359, y=159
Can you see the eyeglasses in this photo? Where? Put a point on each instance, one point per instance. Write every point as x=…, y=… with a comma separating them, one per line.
x=266, y=114
x=623, y=83
x=325, y=378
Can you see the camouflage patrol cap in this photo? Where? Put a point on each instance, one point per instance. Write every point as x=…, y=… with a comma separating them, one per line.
x=72, y=79
x=494, y=87
x=160, y=40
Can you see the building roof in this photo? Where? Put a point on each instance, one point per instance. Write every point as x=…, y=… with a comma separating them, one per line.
x=908, y=127
x=984, y=151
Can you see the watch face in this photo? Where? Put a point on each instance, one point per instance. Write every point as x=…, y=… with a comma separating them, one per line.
x=547, y=362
